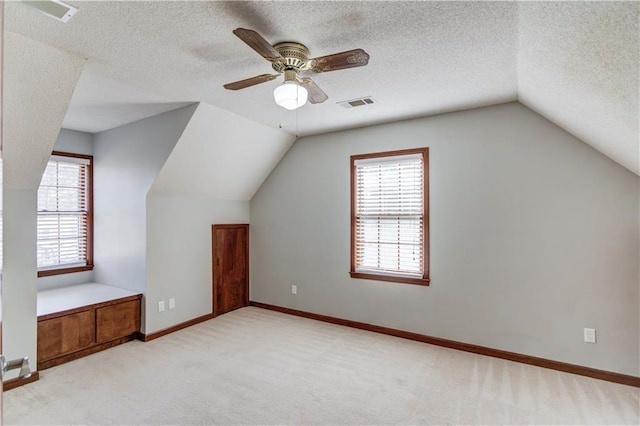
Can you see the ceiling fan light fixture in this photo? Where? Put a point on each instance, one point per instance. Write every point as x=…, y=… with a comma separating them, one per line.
x=292, y=58
x=290, y=95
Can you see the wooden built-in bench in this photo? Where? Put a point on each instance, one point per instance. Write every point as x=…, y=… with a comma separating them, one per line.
x=79, y=320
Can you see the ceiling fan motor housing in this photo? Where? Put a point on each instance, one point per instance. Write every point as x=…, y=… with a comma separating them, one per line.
x=295, y=57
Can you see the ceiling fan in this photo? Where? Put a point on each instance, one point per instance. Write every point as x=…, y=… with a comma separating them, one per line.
x=292, y=59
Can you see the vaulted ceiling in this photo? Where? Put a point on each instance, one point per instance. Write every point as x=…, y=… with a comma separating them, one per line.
x=576, y=63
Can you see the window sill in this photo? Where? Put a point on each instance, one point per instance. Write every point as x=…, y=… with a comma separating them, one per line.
x=391, y=278
x=51, y=272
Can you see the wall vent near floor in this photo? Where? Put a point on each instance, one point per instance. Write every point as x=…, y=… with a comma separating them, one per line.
x=368, y=100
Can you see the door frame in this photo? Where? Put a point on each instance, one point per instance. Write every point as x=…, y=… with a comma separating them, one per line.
x=214, y=228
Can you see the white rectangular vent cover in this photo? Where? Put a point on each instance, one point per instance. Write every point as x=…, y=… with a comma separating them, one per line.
x=53, y=8
x=368, y=100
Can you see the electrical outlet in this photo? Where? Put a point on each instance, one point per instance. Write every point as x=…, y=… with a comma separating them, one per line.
x=590, y=335
x=172, y=303
x=294, y=289
x=161, y=306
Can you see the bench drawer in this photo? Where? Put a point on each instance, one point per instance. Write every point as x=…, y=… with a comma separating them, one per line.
x=114, y=321
x=63, y=335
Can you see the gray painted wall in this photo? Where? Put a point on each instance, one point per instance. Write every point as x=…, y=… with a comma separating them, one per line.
x=77, y=143
x=179, y=255
x=534, y=236
x=126, y=162
x=19, y=275
x=74, y=141
x=215, y=168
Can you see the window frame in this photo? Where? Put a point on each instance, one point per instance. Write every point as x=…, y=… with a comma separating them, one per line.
x=390, y=277
x=89, y=258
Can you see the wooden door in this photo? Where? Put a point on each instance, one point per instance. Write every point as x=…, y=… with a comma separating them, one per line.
x=230, y=267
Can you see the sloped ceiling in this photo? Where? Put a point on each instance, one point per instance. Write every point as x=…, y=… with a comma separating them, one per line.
x=576, y=63
x=221, y=155
x=583, y=75
x=38, y=82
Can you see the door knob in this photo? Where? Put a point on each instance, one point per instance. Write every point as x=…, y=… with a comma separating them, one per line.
x=21, y=363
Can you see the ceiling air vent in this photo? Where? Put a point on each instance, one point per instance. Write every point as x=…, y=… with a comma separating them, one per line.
x=53, y=8
x=357, y=102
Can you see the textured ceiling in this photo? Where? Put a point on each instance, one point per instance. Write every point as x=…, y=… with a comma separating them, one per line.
x=583, y=75
x=38, y=82
x=573, y=62
x=222, y=156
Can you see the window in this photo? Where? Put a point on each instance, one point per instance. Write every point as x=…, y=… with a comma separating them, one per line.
x=65, y=216
x=390, y=216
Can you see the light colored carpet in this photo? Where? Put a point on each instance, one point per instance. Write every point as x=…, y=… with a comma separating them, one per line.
x=254, y=366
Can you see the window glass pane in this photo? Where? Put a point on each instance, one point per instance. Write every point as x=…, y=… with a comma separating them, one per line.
x=69, y=175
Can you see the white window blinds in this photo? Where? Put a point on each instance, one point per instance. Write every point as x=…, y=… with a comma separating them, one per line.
x=63, y=213
x=389, y=215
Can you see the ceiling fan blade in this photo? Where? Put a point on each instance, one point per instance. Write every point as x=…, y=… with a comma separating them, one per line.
x=339, y=61
x=315, y=93
x=258, y=43
x=237, y=85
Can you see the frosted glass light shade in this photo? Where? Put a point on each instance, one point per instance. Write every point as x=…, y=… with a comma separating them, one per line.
x=290, y=95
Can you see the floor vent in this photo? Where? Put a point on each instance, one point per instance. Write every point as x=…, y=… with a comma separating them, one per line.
x=357, y=102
